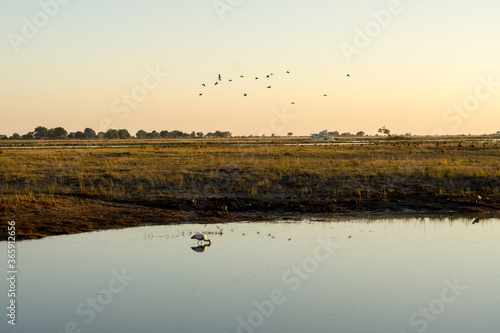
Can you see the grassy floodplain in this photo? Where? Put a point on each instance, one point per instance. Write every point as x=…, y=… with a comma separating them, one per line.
x=129, y=183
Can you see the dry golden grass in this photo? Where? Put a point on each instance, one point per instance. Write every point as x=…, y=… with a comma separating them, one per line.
x=201, y=168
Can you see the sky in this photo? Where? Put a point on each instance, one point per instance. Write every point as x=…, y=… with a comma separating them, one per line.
x=420, y=67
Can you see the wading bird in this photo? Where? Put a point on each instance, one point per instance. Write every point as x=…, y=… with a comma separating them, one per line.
x=201, y=238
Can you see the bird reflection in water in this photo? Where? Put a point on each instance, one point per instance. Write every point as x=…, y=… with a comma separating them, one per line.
x=200, y=248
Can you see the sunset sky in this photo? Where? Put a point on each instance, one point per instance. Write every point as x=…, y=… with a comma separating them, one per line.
x=421, y=67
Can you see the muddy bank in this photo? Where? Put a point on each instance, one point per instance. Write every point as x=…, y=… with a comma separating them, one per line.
x=76, y=216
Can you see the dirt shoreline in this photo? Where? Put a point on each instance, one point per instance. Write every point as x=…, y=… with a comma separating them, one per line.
x=40, y=221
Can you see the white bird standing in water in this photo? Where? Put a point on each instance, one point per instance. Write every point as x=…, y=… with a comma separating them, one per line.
x=202, y=238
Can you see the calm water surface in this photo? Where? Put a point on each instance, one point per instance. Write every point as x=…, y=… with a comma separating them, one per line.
x=417, y=275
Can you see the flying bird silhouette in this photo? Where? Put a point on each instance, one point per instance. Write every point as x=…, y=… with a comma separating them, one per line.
x=220, y=79
x=244, y=94
x=216, y=83
x=268, y=87
x=348, y=75
x=203, y=84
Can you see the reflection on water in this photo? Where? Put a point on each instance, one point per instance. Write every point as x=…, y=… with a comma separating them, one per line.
x=350, y=276
x=200, y=248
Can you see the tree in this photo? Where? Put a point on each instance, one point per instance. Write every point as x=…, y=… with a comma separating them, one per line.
x=384, y=130
x=80, y=135
x=57, y=133
x=111, y=134
x=199, y=134
x=41, y=132
x=28, y=136
x=89, y=133
x=16, y=136
x=153, y=135
x=176, y=134
x=360, y=133
x=220, y=134
x=141, y=134
x=290, y=133
x=334, y=133
x=164, y=134
x=124, y=134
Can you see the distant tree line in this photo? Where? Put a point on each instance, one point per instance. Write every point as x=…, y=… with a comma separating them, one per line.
x=346, y=134
x=59, y=133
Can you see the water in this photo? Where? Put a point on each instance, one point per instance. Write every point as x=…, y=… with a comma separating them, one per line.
x=397, y=276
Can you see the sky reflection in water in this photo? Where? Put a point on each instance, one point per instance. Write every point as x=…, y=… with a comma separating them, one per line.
x=350, y=276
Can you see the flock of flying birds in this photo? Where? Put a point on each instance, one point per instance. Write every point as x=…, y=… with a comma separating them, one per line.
x=219, y=79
